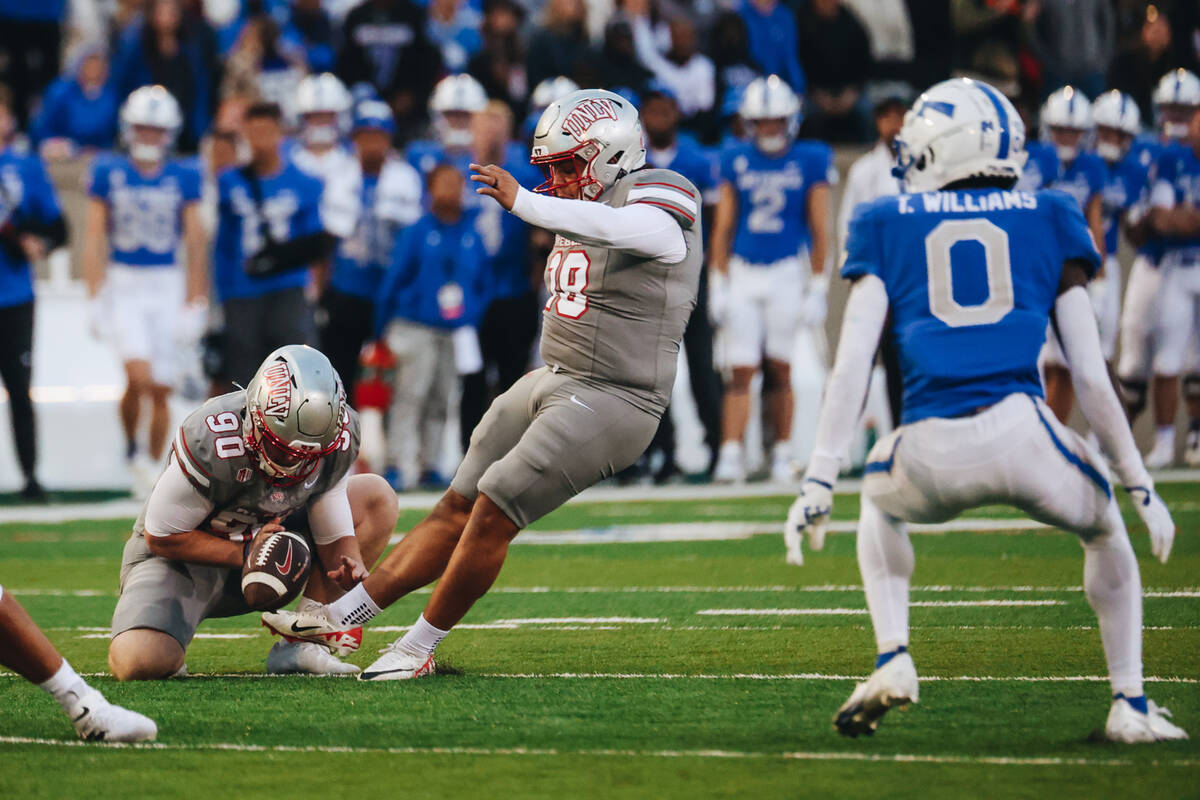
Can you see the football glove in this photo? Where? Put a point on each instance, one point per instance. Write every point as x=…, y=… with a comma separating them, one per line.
x=1156, y=518
x=718, y=298
x=97, y=315
x=810, y=512
x=814, y=305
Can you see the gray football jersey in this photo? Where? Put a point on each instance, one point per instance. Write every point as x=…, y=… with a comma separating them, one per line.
x=210, y=450
x=618, y=318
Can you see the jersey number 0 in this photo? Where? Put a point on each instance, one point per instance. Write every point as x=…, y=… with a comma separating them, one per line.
x=938, y=259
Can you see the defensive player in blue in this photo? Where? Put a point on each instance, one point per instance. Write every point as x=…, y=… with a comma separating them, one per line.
x=769, y=244
x=1174, y=199
x=969, y=271
x=143, y=210
x=390, y=199
x=1175, y=98
x=31, y=224
x=1066, y=123
x=269, y=232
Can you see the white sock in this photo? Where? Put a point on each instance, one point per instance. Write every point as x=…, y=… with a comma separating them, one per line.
x=422, y=637
x=1114, y=589
x=1164, y=436
x=65, y=686
x=355, y=607
x=885, y=559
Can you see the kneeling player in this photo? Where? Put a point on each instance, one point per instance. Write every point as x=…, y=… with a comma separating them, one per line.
x=26, y=650
x=243, y=463
x=975, y=428
x=622, y=278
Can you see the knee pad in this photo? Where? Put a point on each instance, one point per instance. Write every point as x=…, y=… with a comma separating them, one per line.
x=1133, y=396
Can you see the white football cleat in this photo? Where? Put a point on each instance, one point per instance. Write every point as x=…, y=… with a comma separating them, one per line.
x=306, y=658
x=1162, y=455
x=398, y=664
x=729, y=467
x=783, y=469
x=1191, y=450
x=894, y=684
x=1127, y=724
x=314, y=626
x=98, y=720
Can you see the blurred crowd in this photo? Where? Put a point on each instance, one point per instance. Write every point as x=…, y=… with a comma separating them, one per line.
x=329, y=142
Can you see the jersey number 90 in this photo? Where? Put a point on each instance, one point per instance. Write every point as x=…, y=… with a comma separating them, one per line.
x=938, y=245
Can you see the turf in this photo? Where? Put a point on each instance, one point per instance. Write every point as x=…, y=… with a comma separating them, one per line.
x=590, y=671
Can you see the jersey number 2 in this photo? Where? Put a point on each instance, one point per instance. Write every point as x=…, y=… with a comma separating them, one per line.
x=567, y=278
x=938, y=245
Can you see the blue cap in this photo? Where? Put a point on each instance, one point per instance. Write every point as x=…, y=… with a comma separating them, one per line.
x=374, y=115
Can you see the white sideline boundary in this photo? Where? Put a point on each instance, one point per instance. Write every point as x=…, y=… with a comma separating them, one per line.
x=893, y=758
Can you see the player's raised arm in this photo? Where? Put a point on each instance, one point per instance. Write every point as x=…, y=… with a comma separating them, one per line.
x=638, y=228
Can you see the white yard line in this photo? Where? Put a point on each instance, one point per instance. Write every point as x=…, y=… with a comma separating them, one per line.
x=905, y=758
x=791, y=612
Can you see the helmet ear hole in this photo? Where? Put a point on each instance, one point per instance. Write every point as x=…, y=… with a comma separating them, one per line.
x=616, y=157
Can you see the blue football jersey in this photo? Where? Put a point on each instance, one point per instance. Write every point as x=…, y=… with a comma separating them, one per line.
x=1124, y=186
x=1041, y=167
x=772, y=197
x=1177, y=180
x=289, y=207
x=505, y=236
x=971, y=278
x=1083, y=179
x=145, y=212
x=26, y=196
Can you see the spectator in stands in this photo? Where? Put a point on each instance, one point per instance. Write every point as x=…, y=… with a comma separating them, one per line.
x=560, y=45
x=837, y=60
x=1074, y=40
x=617, y=65
x=1137, y=68
x=268, y=233
x=771, y=28
x=891, y=32
x=454, y=27
x=31, y=224
x=158, y=50
x=384, y=43
x=510, y=320
x=933, y=42
x=310, y=27
x=30, y=47
x=688, y=74
x=433, y=288
x=730, y=50
x=499, y=66
x=79, y=110
x=988, y=37
x=263, y=64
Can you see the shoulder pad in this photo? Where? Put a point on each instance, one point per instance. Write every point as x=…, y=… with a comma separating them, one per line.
x=665, y=189
x=196, y=445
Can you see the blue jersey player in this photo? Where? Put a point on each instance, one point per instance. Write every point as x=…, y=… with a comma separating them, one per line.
x=143, y=212
x=31, y=224
x=769, y=243
x=969, y=271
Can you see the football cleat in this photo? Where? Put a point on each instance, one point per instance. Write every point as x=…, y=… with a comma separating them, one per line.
x=98, y=720
x=892, y=685
x=729, y=467
x=306, y=658
x=1191, y=451
x=398, y=664
x=1162, y=455
x=313, y=626
x=1127, y=724
x=783, y=469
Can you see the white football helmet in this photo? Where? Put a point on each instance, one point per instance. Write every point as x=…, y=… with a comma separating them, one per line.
x=322, y=94
x=551, y=90
x=956, y=129
x=1175, y=99
x=459, y=94
x=1118, y=111
x=1066, y=108
x=598, y=131
x=770, y=98
x=150, y=107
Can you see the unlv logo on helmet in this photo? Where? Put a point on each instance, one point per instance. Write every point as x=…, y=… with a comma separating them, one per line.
x=583, y=115
x=278, y=378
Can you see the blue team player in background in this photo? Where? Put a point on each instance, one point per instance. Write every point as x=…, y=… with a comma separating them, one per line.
x=390, y=195
x=31, y=224
x=143, y=206
x=970, y=271
x=768, y=249
x=269, y=232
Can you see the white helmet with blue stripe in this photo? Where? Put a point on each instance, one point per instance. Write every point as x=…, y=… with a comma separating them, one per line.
x=957, y=129
x=150, y=107
x=1115, y=111
x=1068, y=112
x=322, y=94
x=1175, y=99
x=770, y=98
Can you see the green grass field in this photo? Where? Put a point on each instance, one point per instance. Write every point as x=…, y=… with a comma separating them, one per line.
x=617, y=670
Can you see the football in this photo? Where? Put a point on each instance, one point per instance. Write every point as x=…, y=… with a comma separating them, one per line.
x=276, y=570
